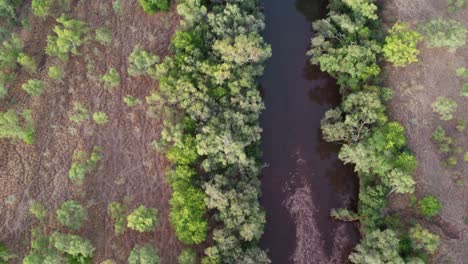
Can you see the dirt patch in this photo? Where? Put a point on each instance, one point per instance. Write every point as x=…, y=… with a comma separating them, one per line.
x=416, y=88
x=131, y=171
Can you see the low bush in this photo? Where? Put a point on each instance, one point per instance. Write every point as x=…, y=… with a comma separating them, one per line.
x=78, y=249
x=141, y=62
x=401, y=45
x=67, y=38
x=117, y=212
x=152, y=6
x=429, y=206
x=445, y=107
x=17, y=126
x=103, y=36
x=111, y=79
x=143, y=219
x=55, y=73
x=423, y=239
x=442, y=32
x=84, y=163
x=5, y=255
x=131, y=101
x=144, y=254
x=41, y=8
x=100, y=118
x=187, y=256
x=71, y=214
x=27, y=62
x=33, y=87
x=79, y=114
x=39, y=211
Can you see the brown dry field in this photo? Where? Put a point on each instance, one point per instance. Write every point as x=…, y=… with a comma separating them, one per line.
x=131, y=171
x=416, y=88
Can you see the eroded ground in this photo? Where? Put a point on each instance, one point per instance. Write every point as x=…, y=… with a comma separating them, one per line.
x=416, y=88
x=131, y=170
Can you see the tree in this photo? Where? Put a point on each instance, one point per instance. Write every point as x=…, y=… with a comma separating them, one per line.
x=103, y=36
x=143, y=219
x=33, y=87
x=117, y=212
x=71, y=214
x=365, y=8
x=445, y=107
x=399, y=181
x=377, y=247
x=55, y=73
x=100, y=118
x=187, y=256
x=131, y=101
x=423, y=239
x=39, y=211
x=401, y=45
x=243, y=49
x=144, y=254
x=80, y=113
x=78, y=248
x=27, y=62
x=442, y=32
x=41, y=8
x=141, y=62
x=152, y=6
x=429, y=206
x=17, y=126
x=5, y=255
x=84, y=163
x=111, y=79
x=9, y=52
x=67, y=38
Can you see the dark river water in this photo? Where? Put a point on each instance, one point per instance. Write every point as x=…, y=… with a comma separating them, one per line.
x=303, y=179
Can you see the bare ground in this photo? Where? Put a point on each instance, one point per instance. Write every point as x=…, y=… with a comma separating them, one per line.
x=131, y=171
x=416, y=88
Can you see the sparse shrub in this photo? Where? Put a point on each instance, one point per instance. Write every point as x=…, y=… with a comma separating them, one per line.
x=377, y=247
x=465, y=157
x=455, y=5
x=461, y=125
x=117, y=6
x=67, y=38
x=152, y=6
x=108, y=261
x=17, y=126
x=464, y=90
x=80, y=250
x=103, y=36
x=401, y=45
x=462, y=72
x=9, y=52
x=27, y=62
x=80, y=113
x=5, y=255
x=33, y=87
x=145, y=254
x=84, y=163
x=100, y=118
x=143, y=219
x=71, y=214
x=41, y=8
x=39, y=211
x=117, y=212
x=131, y=101
x=344, y=214
x=423, y=239
x=451, y=161
x=187, y=256
x=442, y=32
x=142, y=62
x=445, y=142
x=445, y=107
x=111, y=79
x=429, y=206
x=55, y=73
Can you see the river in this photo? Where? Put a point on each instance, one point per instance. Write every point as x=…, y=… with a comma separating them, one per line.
x=303, y=178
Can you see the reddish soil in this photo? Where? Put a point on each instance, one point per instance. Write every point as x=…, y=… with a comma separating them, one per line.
x=416, y=88
x=131, y=171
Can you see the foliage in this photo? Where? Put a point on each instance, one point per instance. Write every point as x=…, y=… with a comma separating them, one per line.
x=80, y=113
x=39, y=211
x=446, y=143
x=445, y=107
x=455, y=5
x=111, y=79
x=344, y=214
x=141, y=62
x=27, y=62
x=9, y=52
x=144, y=254
x=71, y=214
x=5, y=255
x=100, y=118
x=401, y=45
x=187, y=256
x=41, y=8
x=55, y=73
x=465, y=157
x=131, y=101
x=67, y=38
x=461, y=125
x=143, y=219
x=464, y=90
x=377, y=247
x=7, y=8
x=33, y=87
x=17, y=125
x=117, y=6
x=423, y=239
x=429, y=206
x=117, y=212
x=79, y=249
x=103, y=36
x=152, y=6
x=84, y=163
x=442, y=32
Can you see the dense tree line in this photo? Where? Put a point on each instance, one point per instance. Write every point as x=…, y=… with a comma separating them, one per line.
x=349, y=45
x=209, y=92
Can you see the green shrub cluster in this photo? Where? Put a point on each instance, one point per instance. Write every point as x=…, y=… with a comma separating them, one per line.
x=143, y=219
x=187, y=256
x=17, y=126
x=10, y=51
x=463, y=73
x=442, y=32
x=111, y=79
x=39, y=211
x=41, y=8
x=79, y=114
x=84, y=163
x=117, y=212
x=5, y=254
x=401, y=45
x=455, y=5
x=67, y=38
x=152, y=6
x=445, y=107
x=71, y=214
x=429, y=206
x=141, y=62
x=33, y=87
x=100, y=118
x=144, y=254
x=55, y=73
x=103, y=36
x=446, y=145
x=214, y=141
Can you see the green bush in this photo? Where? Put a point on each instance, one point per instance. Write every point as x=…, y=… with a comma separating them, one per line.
x=67, y=38
x=445, y=107
x=71, y=214
x=429, y=206
x=78, y=249
x=131, y=101
x=145, y=254
x=442, y=32
x=39, y=211
x=401, y=45
x=80, y=113
x=27, y=62
x=100, y=118
x=103, y=36
x=9, y=52
x=377, y=247
x=143, y=219
x=465, y=157
x=187, y=256
x=41, y=8
x=33, y=87
x=84, y=163
x=152, y=6
x=141, y=62
x=117, y=212
x=423, y=239
x=111, y=79
x=55, y=73
x=455, y=5
x=17, y=126
x=5, y=255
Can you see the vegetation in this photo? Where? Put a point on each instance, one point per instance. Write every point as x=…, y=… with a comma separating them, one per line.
x=117, y=212
x=17, y=126
x=429, y=206
x=33, y=87
x=67, y=38
x=80, y=113
x=445, y=107
x=141, y=62
x=103, y=36
x=377, y=247
x=41, y=8
x=55, y=73
x=111, y=79
x=444, y=33
x=39, y=211
x=131, y=101
x=27, y=62
x=401, y=45
x=455, y=5
x=5, y=255
x=143, y=219
x=152, y=6
x=79, y=250
x=145, y=254
x=84, y=163
x=71, y=214
x=423, y=239
x=100, y=118
x=187, y=256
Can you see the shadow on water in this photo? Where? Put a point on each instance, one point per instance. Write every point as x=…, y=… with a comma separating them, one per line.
x=304, y=179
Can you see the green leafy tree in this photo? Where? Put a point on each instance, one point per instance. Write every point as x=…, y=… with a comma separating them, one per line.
x=377, y=247
x=9, y=52
x=27, y=62
x=80, y=113
x=117, y=212
x=455, y=5
x=363, y=8
x=423, y=239
x=187, y=256
x=71, y=214
x=67, y=38
x=77, y=248
x=41, y=8
x=445, y=107
x=144, y=254
x=401, y=45
x=100, y=118
x=55, y=73
x=429, y=206
x=17, y=126
x=39, y=211
x=442, y=32
x=152, y=6
x=399, y=181
x=84, y=163
x=131, y=101
x=33, y=87
x=5, y=255
x=143, y=219
x=103, y=36
x=111, y=79
x=141, y=62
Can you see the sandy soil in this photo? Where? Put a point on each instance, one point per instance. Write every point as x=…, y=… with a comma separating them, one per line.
x=131, y=171
x=416, y=87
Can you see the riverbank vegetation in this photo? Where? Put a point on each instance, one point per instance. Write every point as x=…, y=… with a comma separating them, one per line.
x=350, y=45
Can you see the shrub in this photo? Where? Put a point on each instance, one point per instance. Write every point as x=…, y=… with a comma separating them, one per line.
x=423, y=239
x=187, y=256
x=9, y=52
x=5, y=255
x=429, y=206
x=464, y=90
x=444, y=33
x=55, y=73
x=377, y=247
x=117, y=7
x=84, y=163
x=100, y=118
x=41, y=8
x=152, y=6
x=445, y=107
x=27, y=62
x=117, y=212
x=131, y=101
x=67, y=38
x=39, y=211
x=17, y=126
x=461, y=125
x=103, y=36
x=80, y=250
x=143, y=219
x=80, y=113
x=141, y=62
x=33, y=87
x=455, y=5
x=145, y=254
x=401, y=45
x=71, y=214
x=111, y=79
x=465, y=157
